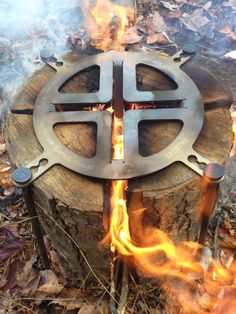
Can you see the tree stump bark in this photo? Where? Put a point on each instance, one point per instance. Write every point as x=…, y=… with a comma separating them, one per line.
x=70, y=206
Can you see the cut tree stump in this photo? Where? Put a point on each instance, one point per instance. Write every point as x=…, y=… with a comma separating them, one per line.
x=70, y=206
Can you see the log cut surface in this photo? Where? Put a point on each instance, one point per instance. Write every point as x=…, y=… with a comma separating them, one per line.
x=76, y=202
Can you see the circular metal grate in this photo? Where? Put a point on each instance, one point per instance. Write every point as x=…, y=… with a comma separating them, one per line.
x=185, y=105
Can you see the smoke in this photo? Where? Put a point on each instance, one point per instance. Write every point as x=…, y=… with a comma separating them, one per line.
x=27, y=27
x=21, y=18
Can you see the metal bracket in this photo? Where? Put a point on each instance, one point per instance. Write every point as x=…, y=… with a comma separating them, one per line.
x=189, y=110
x=116, y=66
x=22, y=177
x=213, y=176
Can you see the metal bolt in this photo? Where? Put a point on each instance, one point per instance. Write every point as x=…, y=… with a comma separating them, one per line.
x=213, y=173
x=22, y=175
x=189, y=48
x=47, y=55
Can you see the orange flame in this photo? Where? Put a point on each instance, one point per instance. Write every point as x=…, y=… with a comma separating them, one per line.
x=117, y=139
x=179, y=268
x=233, y=116
x=154, y=255
x=107, y=23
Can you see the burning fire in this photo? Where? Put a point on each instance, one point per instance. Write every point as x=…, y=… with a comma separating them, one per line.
x=117, y=139
x=107, y=23
x=199, y=283
x=182, y=269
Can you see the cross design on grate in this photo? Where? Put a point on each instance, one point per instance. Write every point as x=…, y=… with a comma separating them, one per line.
x=120, y=68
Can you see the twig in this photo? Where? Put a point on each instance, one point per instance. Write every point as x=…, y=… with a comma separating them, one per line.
x=112, y=301
x=215, y=242
x=4, y=216
x=124, y=290
x=208, y=59
x=139, y=292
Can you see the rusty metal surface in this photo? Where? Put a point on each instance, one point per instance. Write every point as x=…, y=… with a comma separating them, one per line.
x=190, y=111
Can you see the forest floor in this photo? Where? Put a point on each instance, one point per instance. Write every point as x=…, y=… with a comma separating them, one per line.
x=25, y=286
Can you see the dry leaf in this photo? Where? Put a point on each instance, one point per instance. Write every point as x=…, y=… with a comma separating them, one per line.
x=88, y=309
x=9, y=190
x=227, y=224
x=229, y=227
x=131, y=36
x=195, y=22
x=149, y=27
x=72, y=299
x=173, y=30
x=52, y=285
x=11, y=244
x=207, y=6
x=2, y=149
x=51, y=288
x=227, y=29
x=57, y=266
x=23, y=277
x=226, y=240
x=230, y=3
x=9, y=276
x=169, y=6
x=41, y=285
x=32, y=285
x=230, y=55
x=5, y=175
x=69, y=304
x=160, y=38
x=103, y=307
x=199, y=19
x=94, y=308
x=172, y=15
x=158, y=21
